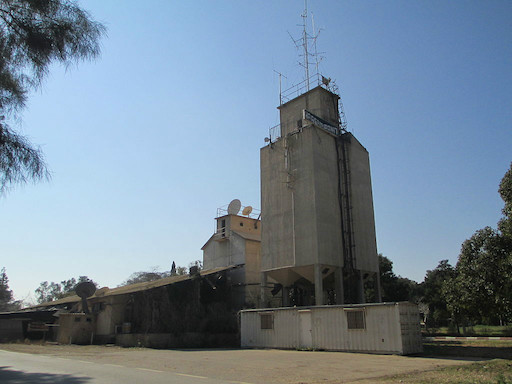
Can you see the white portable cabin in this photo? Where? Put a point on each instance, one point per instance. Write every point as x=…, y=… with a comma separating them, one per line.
x=386, y=328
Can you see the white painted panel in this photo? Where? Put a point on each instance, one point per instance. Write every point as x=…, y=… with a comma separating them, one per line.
x=306, y=339
x=389, y=328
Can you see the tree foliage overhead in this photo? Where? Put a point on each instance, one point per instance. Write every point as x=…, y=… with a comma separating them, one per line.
x=33, y=34
x=54, y=291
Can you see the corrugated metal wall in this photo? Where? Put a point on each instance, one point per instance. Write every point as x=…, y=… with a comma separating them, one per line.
x=389, y=328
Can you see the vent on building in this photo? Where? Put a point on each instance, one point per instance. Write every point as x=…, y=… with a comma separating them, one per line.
x=355, y=319
x=267, y=320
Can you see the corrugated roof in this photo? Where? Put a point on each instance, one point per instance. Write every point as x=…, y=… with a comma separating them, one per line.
x=132, y=288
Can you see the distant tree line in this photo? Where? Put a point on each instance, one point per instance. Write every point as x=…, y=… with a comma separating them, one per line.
x=51, y=291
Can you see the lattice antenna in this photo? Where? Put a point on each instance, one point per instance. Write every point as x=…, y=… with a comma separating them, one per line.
x=307, y=43
x=318, y=58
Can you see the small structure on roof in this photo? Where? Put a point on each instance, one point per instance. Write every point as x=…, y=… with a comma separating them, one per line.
x=237, y=241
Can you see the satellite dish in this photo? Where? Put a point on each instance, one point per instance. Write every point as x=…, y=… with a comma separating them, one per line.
x=234, y=207
x=247, y=211
x=84, y=290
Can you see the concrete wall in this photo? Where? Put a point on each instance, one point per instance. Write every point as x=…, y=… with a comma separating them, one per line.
x=227, y=248
x=252, y=272
x=75, y=328
x=301, y=223
x=318, y=101
x=301, y=182
x=361, y=197
x=111, y=314
x=391, y=328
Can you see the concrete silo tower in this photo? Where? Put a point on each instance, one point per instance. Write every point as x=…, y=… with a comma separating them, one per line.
x=318, y=229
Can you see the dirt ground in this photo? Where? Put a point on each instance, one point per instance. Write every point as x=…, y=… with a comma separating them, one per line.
x=249, y=365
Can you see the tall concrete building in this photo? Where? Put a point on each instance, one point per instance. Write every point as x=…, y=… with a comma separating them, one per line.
x=318, y=229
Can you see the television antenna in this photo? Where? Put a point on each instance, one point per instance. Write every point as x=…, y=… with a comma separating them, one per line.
x=304, y=43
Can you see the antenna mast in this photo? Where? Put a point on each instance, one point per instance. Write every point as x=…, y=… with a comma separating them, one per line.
x=305, y=42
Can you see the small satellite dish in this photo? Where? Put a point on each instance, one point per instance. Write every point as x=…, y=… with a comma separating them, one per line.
x=247, y=211
x=84, y=290
x=234, y=207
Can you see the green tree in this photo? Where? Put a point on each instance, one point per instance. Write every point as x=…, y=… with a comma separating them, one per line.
x=505, y=191
x=393, y=287
x=33, y=34
x=54, y=291
x=481, y=289
x=434, y=298
x=7, y=302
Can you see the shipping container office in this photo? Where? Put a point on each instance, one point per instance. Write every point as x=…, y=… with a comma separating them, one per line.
x=387, y=328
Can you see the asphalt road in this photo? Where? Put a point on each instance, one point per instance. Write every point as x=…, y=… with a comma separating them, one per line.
x=22, y=368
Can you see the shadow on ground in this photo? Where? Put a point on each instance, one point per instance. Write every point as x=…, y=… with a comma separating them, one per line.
x=454, y=348
x=11, y=376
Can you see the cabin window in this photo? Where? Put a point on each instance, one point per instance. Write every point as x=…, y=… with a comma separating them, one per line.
x=267, y=320
x=77, y=319
x=356, y=319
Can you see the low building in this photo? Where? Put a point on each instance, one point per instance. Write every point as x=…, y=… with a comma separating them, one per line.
x=386, y=328
x=194, y=310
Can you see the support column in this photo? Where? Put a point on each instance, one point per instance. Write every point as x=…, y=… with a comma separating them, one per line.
x=338, y=285
x=263, y=285
x=378, y=290
x=286, y=297
x=360, y=287
x=319, y=286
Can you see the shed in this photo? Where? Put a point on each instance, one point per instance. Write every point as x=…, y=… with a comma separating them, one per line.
x=386, y=328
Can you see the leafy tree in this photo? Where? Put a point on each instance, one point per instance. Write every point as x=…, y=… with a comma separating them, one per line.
x=54, y=291
x=481, y=290
x=434, y=298
x=505, y=191
x=7, y=303
x=33, y=34
x=482, y=285
x=393, y=287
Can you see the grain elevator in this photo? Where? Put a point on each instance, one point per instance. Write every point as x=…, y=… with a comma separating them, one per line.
x=318, y=230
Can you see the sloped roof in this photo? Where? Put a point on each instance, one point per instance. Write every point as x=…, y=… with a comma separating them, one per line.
x=248, y=236
x=243, y=235
x=132, y=288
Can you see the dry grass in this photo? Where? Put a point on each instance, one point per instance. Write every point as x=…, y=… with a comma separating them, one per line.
x=488, y=372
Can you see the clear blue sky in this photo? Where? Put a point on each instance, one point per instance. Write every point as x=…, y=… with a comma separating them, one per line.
x=146, y=142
